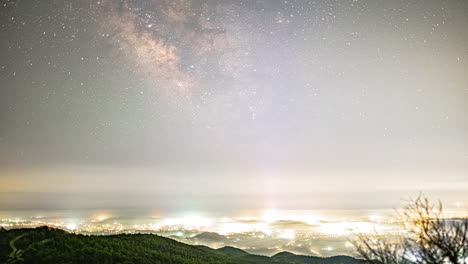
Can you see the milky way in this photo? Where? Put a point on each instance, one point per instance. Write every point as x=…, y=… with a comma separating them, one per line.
x=180, y=45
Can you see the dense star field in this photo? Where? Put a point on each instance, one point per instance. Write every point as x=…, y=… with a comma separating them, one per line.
x=200, y=97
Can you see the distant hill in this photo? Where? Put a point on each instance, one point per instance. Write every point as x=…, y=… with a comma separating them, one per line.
x=288, y=257
x=49, y=245
x=232, y=252
x=209, y=237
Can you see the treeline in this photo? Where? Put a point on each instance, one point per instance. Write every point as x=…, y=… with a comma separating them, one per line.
x=54, y=246
x=48, y=245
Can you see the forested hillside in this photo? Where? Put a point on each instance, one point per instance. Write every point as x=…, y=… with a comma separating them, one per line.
x=49, y=245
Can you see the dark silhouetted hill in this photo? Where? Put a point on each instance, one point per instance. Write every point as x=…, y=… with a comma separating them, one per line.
x=209, y=237
x=48, y=245
x=232, y=252
x=288, y=257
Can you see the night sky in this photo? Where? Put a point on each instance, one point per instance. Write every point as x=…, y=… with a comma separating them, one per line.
x=232, y=104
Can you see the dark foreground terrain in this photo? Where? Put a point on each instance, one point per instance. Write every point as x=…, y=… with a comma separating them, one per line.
x=49, y=245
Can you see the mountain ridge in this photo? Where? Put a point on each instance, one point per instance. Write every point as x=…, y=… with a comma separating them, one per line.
x=51, y=245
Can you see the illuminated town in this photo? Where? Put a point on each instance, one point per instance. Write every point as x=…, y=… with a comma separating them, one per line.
x=265, y=235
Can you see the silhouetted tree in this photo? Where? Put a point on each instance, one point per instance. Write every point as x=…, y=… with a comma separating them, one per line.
x=428, y=238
